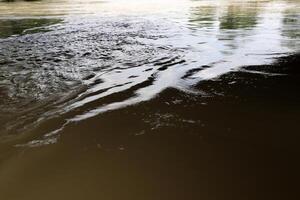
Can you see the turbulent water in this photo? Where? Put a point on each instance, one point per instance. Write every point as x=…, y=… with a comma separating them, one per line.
x=67, y=63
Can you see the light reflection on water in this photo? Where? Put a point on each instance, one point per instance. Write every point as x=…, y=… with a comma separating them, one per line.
x=186, y=120
x=77, y=60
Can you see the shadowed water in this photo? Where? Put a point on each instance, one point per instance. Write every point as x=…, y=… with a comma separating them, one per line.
x=118, y=90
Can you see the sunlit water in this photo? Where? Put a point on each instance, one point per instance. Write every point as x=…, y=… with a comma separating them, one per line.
x=65, y=57
x=127, y=99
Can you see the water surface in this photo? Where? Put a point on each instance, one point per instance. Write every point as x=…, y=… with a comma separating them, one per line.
x=146, y=97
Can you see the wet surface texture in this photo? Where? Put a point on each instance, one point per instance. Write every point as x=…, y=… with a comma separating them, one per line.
x=149, y=99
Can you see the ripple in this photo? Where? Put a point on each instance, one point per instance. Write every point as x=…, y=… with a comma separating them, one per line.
x=74, y=68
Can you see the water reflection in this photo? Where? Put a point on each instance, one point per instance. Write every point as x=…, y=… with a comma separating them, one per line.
x=93, y=63
x=230, y=22
x=203, y=16
x=240, y=16
x=132, y=99
x=9, y=27
x=290, y=28
x=237, y=22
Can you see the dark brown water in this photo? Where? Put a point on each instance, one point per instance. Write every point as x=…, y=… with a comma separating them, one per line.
x=149, y=99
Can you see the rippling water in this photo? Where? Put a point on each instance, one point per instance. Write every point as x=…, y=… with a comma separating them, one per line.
x=63, y=63
x=60, y=58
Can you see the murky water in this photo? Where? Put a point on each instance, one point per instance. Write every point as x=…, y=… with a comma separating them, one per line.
x=148, y=99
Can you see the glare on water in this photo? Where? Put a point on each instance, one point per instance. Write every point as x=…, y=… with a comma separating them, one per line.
x=108, y=47
x=120, y=93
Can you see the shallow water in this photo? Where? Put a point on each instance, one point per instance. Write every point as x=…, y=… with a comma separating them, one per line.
x=140, y=99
